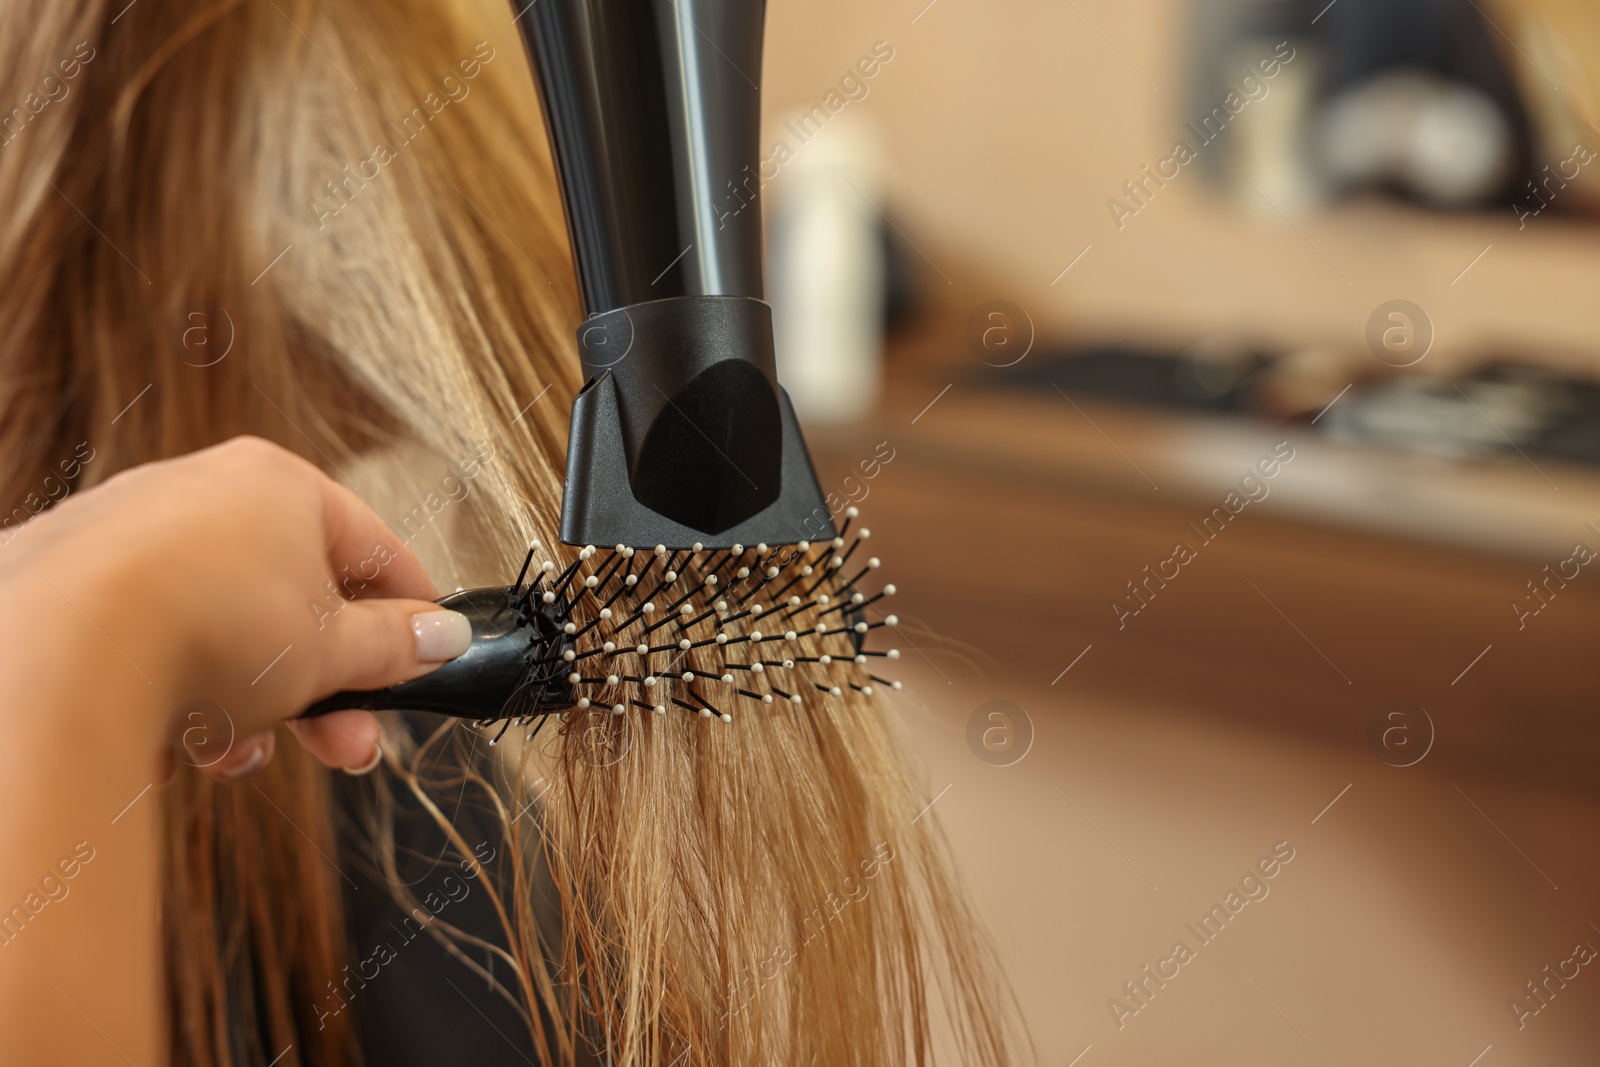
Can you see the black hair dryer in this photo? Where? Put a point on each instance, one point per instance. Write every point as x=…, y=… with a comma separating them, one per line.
x=681, y=434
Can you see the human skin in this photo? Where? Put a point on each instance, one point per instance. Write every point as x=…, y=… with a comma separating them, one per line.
x=175, y=582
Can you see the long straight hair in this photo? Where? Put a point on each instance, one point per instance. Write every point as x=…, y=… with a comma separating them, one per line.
x=336, y=225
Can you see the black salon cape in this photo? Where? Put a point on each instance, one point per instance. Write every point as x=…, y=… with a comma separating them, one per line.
x=412, y=1001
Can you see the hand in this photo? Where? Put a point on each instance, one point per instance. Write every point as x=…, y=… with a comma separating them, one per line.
x=223, y=592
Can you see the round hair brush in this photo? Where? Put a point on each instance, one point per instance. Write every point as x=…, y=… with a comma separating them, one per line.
x=681, y=437
x=704, y=632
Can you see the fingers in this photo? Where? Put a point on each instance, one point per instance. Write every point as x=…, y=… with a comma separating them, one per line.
x=245, y=758
x=371, y=644
x=344, y=739
x=366, y=557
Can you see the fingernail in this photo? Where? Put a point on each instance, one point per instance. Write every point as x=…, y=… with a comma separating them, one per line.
x=441, y=635
x=377, y=758
x=253, y=763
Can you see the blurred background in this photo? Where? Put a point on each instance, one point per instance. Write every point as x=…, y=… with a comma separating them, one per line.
x=1221, y=380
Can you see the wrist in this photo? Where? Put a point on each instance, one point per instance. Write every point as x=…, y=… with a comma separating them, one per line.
x=80, y=655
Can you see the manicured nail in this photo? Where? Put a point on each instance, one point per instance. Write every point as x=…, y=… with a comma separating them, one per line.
x=251, y=764
x=377, y=758
x=441, y=635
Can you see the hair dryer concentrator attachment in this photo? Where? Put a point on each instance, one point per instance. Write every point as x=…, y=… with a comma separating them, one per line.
x=685, y=436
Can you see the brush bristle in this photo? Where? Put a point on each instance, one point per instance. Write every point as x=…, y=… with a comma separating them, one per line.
x=715, y=633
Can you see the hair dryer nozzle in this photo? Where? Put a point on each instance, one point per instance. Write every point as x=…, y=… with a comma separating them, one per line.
x=682, y=434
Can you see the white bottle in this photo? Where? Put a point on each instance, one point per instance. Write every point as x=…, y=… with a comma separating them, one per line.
x=825, y=273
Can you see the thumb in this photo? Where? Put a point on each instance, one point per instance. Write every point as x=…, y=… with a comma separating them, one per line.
x=381, y=642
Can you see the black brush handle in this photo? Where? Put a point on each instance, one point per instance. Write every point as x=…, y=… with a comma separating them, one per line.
x=512, y=666
x=654, y=110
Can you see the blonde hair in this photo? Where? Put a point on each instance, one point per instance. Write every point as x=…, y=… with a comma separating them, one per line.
x=359, y=203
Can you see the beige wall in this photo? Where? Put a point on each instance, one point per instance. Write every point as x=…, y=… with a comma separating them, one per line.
x=1008, y=125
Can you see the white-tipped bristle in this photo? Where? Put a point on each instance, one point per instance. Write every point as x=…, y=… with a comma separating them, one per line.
x=631, y=580
x=766, y=698
x=790, y=635
x=590, y=582
x=889, y=590
x=824, y=600
x=569, y=655
x=686, y=610
x=861, y=659
x=860, y=627
x=795, y=699
x=851, y=512
x=617, y=709
x=605, y=613
x=661, y=709
x=648, y=607
x=705, y=713
x=897, y=685
x=804, y=546
x=857, y=598
x=727, y=677
x=612, y=679
x=761, y=549
x=755, y=635
x=836, y=562
x=642, y=649
x=535, y=545
x=583, y=702
x=756, y=609
x=824, y=659
x=650, y=681
x=866, y=690
x=838, y=542
x=836, y=691
x=547, y=566
x=721, y=605
x=622, y=548
x=609, y=646
x=548, y=598
x=892, y=620
x=874, y=562
x=688, y=676
x=670, y=576
x=788, y=664
x=894, y=653
x=726, y=717
x=699, y=547
x=722, y=639
x=864, y=534
x=587, y=553
x=822, y=627
x=661, y=550
x=742, y=573
x=758, y=668
x=772, y=572
x=570, y=628
x=685, y=644
x=711, y=580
